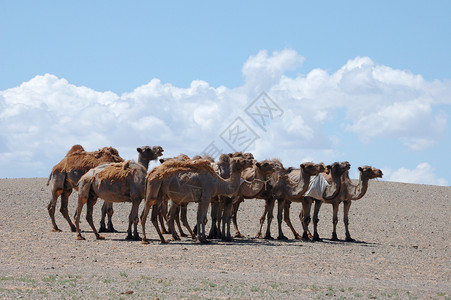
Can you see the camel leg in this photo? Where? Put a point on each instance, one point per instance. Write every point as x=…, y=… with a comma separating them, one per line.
x=214, y=215
x=144, y=215
x=226, y=219
x=346, y=207
x=89, y=209
x=202, y=210
x=183, y=216
x=162, y=216
x=335, y=221
x=107, y=210
x=269, y=217
x=81, y=203
x=177, y=220
x=64, y=204
x=236, y=206
x=318, y=204
x=156, y=208
x=262, y=220
x=51, y=208
x=304, y=216
x=286, y=218
x=172, y=216
x=280, y=208
x=132, y=220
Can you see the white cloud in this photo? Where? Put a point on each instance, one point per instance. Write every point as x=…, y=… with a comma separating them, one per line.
x=423, y=173
x=45, y=116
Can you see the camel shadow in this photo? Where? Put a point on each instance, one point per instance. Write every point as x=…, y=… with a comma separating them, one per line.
x=239, y=242
x=344, y=242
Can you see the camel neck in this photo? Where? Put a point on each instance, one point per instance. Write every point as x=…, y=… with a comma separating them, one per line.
x=333, y=189
x=230, y=186
x=144, y=162
x=360, y=190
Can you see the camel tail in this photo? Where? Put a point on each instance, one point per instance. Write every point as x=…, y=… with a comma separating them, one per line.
x=50, y=178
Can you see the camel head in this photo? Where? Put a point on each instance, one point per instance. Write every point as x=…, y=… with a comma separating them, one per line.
x=370, y=172
x=338, y=168
x=150, y=153
x=313, y=169
x=241, y=163
x=246, y=155
x=268, y=167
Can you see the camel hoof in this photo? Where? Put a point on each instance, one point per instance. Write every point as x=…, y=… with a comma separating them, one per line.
x=144, y=242
x=103, y=229
x=298, y=237
x=80, y=238
x=56, y=230
x=183, y=234
x=334, y=238
x=349, y=239
x=317, y=239
x=268, y=237
x=259, y=236
x=239, y=235
x=282, y=237
x=99, y=237
x=136, y=238
x=164, y=242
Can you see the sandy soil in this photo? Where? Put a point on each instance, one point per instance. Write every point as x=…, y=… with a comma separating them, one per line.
x=403, y=252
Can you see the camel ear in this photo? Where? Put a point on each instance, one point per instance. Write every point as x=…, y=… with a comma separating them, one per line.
x=139, y=150
x=258, y=164
x=161, y=160
x=230, y=154
x=302, y=166
x=360, y=169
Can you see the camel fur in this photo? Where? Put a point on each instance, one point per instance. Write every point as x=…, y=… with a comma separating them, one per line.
x=66, y=174
x=189, y=181
x=116, y=182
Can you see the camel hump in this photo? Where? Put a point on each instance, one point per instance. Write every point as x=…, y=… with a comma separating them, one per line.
x=116, y=171
x=173, y=166
x=75, y=148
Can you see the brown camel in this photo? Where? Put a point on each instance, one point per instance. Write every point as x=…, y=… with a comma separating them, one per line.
x=66, y=174
x=189, y=181
x=348, y=192
x=116, y=182
x=333, y=175
x=290, y=185
x=257, y=179
x=222, y=168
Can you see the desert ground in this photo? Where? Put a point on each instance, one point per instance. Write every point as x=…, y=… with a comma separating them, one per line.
x=402, y=251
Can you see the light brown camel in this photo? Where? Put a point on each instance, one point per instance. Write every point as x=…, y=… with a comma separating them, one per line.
x=348, y=192
x=222, y=168
x=66, y=174
x=189, y=181
x=290, y=185
x=116, y=182
x=333, y=175
x=258, y=176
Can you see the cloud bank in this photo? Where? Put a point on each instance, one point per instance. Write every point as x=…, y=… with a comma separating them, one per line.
x=42, y=118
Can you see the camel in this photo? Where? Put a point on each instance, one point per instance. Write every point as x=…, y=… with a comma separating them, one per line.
x=66, y=174
x=290, y=185
x=332, y=175
x=116, y=182
x=348, y=192
x=256, y=184
x=189, y=181
x=222, y=168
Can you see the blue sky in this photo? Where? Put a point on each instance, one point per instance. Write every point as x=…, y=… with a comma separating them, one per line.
x=364, y=82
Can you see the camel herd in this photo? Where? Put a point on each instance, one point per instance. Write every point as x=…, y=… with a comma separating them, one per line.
x=221, y=185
